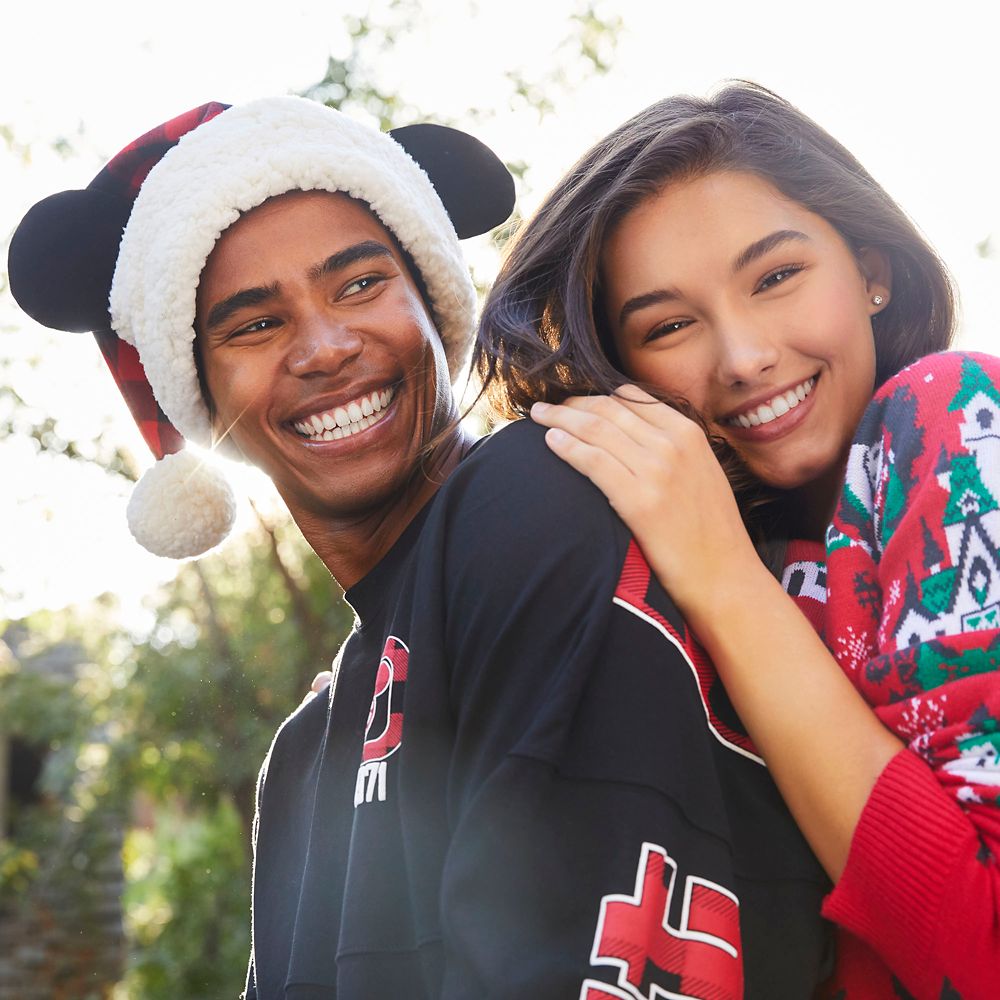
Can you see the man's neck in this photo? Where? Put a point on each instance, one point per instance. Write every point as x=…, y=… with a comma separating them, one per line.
x=351, y=547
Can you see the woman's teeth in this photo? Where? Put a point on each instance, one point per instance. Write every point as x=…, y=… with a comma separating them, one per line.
x=343, y=421
x=776, y=407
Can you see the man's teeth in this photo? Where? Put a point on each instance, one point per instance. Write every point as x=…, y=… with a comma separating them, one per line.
x=776, y=407
x=343, y=421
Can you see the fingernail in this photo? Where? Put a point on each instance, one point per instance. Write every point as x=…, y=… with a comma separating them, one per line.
x=538, y=408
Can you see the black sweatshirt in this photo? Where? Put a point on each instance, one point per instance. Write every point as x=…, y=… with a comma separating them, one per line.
x=526, y=781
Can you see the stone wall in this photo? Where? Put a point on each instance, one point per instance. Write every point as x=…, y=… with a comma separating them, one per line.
x=61, y=933
x=63, y=939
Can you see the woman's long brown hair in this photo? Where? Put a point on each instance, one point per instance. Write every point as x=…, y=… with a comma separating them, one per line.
x=543, y=334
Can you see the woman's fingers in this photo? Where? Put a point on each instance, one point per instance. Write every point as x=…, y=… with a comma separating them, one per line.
x=633, y=411
x=642, y=433
x=593, y=426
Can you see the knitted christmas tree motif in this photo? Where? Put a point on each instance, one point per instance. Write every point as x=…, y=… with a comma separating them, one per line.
x=938, y=663
x=973, y=383
x=895, y=505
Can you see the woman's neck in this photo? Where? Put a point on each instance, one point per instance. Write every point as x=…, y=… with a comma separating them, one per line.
x=814, y=505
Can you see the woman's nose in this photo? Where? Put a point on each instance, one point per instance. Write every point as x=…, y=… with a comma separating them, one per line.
x=746, y=352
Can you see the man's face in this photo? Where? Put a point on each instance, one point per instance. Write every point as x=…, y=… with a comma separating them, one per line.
x=319, y=355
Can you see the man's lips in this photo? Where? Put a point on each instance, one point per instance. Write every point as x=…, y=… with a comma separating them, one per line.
x=343, y=421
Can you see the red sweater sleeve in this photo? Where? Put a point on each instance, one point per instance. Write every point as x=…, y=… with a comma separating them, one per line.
x=921, y=888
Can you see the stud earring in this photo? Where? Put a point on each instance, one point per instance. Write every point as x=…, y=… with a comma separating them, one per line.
x=877, y=300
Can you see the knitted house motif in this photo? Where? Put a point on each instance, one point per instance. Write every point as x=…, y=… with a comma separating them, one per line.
x=979, y=401
x=916, y=624
x=961, y=593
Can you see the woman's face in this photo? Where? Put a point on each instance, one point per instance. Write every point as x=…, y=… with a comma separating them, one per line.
x=722, y=291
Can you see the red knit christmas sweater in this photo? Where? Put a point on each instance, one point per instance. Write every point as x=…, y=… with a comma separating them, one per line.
x=913, y=617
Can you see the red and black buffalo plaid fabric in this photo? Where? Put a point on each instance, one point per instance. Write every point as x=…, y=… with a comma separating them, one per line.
x=124, y=176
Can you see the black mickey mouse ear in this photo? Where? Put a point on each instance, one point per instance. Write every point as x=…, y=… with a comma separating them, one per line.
x=62, y=258
x=475, y=187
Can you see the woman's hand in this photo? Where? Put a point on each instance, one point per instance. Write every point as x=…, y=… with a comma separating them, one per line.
x=659, y=473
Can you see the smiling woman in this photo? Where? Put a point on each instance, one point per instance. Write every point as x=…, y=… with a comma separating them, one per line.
x=735, y=260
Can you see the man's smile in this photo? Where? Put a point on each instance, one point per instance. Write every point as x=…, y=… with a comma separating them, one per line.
x=343, y=421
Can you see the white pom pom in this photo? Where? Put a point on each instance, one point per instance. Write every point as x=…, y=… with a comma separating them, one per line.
x=181, y=507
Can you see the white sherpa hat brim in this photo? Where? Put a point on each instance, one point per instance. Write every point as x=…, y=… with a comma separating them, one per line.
x=234, y=163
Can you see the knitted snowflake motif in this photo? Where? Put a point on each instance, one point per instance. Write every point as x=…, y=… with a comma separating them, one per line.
x=890, y=600
x=854, y=648
x=920, y=720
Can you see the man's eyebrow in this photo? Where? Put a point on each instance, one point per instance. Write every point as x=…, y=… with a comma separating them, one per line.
x=221, y=311
x=762, y=246
x=365, y=250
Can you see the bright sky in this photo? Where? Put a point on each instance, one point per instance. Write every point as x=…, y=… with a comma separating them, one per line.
x=912, y=94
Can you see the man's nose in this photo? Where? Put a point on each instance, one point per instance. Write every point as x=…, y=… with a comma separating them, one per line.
x=322, y=345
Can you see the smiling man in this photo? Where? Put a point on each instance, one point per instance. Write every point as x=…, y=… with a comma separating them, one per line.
x=320, y=354
x=523, y=780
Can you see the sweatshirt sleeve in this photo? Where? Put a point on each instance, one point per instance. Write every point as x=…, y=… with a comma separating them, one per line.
x=921, y=887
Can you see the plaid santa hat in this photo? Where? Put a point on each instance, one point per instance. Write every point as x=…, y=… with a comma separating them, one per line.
x=139, y=234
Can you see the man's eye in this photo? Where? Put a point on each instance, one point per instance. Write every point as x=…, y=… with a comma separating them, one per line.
x=665, y=329
x=257, y=326
x=363, y=284
x=778, y=276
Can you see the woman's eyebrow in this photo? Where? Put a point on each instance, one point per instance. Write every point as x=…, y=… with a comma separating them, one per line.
x=762, y=246
x=653, y=298
x=747, y=256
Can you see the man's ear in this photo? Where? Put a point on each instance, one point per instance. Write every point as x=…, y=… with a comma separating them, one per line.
x=876, y=269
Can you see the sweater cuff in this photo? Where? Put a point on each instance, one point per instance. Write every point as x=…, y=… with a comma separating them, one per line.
x=903, y=851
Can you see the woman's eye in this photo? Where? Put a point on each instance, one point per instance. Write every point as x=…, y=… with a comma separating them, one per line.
x=778, y=276
x=665, y=329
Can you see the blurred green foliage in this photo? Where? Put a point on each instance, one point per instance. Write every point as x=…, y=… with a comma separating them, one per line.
x=186, y=905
